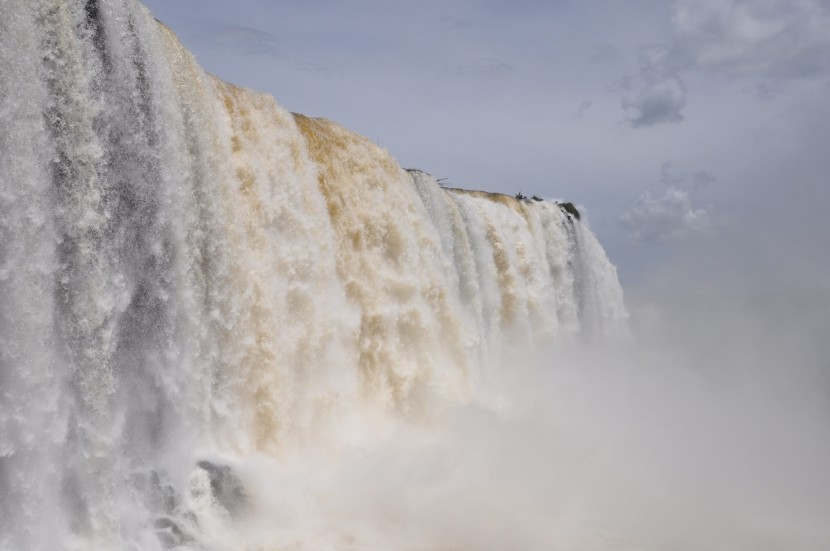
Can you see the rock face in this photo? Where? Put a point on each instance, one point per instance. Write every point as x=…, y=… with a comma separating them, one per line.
x=570, y=209
x=226, y=488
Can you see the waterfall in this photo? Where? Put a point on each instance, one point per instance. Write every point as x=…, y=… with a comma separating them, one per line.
x=191, y=276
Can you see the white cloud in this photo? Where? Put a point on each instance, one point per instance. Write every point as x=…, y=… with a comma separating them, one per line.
x=777, y=39
x=667, y=218
x=766, y=42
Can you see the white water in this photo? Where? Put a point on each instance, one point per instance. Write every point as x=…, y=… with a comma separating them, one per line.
x=189, y=273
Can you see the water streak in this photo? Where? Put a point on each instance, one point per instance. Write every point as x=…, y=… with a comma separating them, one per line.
x=191, y=276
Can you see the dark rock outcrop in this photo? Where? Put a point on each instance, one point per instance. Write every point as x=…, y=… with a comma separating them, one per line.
x=225, y=486
x=570, y=209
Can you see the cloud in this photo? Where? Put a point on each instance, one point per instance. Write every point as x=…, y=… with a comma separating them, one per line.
x=766, y=42
x=700, y=180
x=662, y=92
x=670, y=216
x=659, y=101
x=775, y=39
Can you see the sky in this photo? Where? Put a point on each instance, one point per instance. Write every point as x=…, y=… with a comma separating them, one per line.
x=684, y=128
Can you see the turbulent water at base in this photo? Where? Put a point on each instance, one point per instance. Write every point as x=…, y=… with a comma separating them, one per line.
x=193, y=279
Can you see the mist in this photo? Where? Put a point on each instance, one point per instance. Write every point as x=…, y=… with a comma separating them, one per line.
x=707, y=430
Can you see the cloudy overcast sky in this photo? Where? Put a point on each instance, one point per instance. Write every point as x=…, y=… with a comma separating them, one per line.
x=677, y=125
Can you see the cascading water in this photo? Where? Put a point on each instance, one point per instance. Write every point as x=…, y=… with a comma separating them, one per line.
x=191, y=277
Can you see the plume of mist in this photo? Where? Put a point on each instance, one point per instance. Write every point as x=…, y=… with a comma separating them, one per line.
x=706, y=431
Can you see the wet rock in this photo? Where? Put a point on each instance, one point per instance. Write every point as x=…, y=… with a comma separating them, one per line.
x=570, y=209
x=158, y=495
x=169, y=533
x=226, y=487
